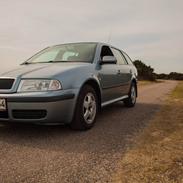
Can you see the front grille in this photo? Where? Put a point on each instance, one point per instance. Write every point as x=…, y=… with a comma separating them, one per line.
x=6, y=84
x=29, y=114
x=4, y=115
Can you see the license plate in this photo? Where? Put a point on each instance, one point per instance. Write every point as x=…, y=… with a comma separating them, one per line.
x=2, y=105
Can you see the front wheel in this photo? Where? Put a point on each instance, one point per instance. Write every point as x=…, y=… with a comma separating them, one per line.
x=132, y=96
x=86, y=109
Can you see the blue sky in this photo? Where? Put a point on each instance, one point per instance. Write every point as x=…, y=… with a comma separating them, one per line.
x=148, y=30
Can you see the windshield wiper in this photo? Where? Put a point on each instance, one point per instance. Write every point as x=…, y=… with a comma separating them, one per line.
x=68, y=61
x=25, y=63
x=54, y=61
x=50, y=61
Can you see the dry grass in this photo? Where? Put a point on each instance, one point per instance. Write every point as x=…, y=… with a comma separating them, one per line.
x=157, y=156
x=177, y=94
x=146, y=82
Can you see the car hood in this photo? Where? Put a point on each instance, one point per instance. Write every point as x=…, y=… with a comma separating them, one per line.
x=44, y=70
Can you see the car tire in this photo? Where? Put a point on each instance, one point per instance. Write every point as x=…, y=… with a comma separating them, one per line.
x=86, y=109
x=131, y=100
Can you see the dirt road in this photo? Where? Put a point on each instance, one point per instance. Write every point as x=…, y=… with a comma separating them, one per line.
x=57, y=154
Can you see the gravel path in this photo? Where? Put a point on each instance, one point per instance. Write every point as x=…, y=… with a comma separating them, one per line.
x=57, y=154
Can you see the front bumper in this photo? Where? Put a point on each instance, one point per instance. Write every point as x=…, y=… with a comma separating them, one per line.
x=42, y=107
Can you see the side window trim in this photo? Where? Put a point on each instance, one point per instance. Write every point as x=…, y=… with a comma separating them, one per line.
x=126, y=56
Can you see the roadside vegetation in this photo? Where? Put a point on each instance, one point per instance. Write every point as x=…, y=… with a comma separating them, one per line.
x=171, y=76
x=157, y=156
x=147, y=73
x=144, y=72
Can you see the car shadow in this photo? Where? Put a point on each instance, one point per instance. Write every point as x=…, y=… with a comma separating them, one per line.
x=115, y=124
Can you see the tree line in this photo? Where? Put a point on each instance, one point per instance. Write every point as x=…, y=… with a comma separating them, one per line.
x=147, y=73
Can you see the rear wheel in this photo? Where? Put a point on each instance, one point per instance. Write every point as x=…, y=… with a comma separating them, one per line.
x=132, y=96
x=86, y=109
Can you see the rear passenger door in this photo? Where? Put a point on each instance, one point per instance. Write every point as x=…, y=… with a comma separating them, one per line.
x=125, y=73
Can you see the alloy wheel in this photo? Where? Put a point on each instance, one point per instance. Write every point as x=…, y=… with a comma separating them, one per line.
x=89, y=108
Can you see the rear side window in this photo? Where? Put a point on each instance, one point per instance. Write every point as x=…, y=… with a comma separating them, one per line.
x=120, y=59
x=128, y=59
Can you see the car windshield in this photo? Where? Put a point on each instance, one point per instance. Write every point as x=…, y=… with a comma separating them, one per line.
x=76, y=52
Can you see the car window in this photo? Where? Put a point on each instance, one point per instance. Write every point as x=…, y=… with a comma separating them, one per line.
x=106, y=51
x=68, y=54
x=128, y=59
x=73, y=52
x=47, y=56
x=120, y=59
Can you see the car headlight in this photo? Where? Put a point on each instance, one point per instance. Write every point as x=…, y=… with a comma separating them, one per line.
x=39, y=85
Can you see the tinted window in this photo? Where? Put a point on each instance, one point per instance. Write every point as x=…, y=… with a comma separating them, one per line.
x=128, y=58
x=120, y=59
x=77, y=52
x=106, y=51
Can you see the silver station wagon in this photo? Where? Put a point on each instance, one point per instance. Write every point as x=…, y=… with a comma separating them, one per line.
x=67, y=84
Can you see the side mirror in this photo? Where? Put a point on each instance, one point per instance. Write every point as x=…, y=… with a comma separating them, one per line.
x=108, y=60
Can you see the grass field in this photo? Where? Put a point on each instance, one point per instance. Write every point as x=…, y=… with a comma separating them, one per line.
x=157, y=156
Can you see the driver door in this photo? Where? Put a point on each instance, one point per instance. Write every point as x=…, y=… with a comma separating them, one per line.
x=109, y=76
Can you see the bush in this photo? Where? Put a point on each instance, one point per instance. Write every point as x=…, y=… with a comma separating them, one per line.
x=147, y=73
x=144, y=72
x=171, y=76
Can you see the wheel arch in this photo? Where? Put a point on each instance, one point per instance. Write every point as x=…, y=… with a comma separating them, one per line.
x=94, y=84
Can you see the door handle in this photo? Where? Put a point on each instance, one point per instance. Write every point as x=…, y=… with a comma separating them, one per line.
x=118, y=72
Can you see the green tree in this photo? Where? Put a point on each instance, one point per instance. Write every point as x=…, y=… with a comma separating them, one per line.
x=144, y=72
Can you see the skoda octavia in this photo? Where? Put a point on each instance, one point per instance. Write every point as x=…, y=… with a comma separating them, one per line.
x=68, y=84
